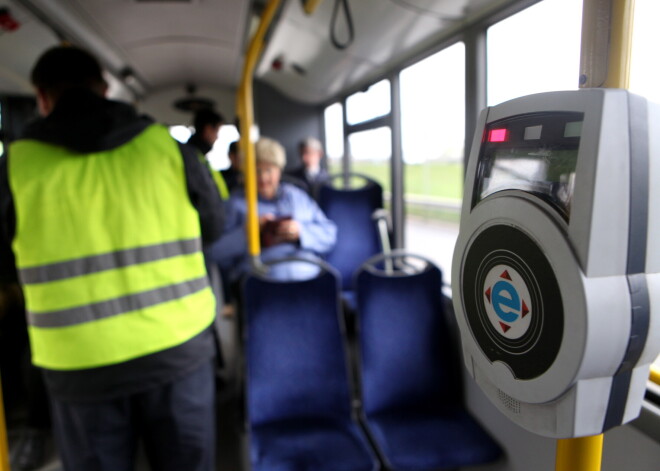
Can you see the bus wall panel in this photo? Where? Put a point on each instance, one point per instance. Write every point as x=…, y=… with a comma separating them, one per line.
x=285, y=120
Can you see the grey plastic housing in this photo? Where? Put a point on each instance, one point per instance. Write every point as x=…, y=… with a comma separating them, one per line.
x=598, y=376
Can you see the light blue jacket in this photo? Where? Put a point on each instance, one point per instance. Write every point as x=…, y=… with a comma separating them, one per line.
x=318, y=234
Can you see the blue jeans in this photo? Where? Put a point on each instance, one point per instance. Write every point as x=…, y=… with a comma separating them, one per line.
x=176, y=423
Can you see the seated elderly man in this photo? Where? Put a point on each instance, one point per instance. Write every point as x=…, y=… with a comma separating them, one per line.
x=291, y=223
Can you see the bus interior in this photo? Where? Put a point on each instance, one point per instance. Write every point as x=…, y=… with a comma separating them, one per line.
x=393, y=89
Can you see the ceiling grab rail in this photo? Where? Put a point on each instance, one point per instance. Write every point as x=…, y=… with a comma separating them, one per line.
x=310, y=6
x=245, y=111
x=603, y=63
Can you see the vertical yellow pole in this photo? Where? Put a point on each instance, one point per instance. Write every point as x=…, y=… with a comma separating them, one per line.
x=655, y=375
x=604, y=62
x=606, y=43
x=4, y=447
x=621, y=22
x=246, y=118
x=7, y=293
x=579, y=454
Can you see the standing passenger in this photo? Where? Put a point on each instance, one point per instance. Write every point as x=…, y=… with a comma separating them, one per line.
x=207, y=127
x=103, y=217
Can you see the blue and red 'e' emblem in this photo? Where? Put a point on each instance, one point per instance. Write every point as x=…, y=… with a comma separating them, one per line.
x=507, y=301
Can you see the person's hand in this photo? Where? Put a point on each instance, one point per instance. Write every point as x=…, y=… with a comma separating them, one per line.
x=264, y=219
x=288, y=230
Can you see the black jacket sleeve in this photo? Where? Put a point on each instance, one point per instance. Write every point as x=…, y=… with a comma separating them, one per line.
x=204, y=195
x=7, y=227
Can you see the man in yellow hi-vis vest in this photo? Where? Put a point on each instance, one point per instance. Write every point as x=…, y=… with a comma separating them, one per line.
x=103, y=217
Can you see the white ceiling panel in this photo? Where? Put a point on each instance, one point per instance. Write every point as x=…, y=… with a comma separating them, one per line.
x=166, y=42
x=170, y=44
x=159, y=69
x=20, y=49
x=386, y=32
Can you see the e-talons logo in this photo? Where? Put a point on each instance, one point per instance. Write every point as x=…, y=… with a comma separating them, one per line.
x=507, y=302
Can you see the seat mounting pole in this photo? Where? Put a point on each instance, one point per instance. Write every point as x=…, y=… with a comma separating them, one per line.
x=580, y=454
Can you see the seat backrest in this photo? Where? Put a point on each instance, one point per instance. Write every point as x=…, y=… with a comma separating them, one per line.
x=406, y=353
x=296, y=359
x=351, y=209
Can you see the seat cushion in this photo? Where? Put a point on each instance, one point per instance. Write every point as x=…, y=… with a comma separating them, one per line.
x=414, y=441
x=310, y=444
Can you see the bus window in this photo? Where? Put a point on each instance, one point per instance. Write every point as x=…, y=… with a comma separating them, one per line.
x=433, y=132
x=217, y=156
x=181, y=133
x=433, y=129
x=371, y=151
x=370, y=104
x=334, y=137
x=547, y=59
x=644, y=66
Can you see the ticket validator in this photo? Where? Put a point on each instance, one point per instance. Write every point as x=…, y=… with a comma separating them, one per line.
x=556, y=271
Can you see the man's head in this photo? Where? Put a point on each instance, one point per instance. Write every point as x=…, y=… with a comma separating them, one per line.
x=62, y=68
x=311, y=153
x=207, y=125
x=234, y=156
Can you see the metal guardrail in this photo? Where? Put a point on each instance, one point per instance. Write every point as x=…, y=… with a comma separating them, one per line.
x=433, y=202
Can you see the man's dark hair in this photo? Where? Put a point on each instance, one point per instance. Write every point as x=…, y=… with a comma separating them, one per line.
x=63, y=67
x=233, y=148
x=205, y=117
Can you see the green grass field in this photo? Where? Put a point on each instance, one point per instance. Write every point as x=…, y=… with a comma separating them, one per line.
x=432, y=180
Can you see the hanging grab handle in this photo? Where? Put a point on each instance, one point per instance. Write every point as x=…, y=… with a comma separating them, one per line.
x=349, y=24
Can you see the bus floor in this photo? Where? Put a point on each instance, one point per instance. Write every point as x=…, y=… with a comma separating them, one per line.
x=231, y=448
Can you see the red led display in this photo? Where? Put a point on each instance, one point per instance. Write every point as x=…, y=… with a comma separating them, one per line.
x=498, y=135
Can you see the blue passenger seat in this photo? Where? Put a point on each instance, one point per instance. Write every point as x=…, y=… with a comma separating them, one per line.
x=410, y=370
x=351, y=208
x=298, y=401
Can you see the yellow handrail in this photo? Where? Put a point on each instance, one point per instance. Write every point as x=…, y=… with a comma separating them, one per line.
x=654, y=377
x=604, y=62
x=621, y=24
x=311, y=6
x=579, y=454
x=4, y=447
x=607, y=27
x=5, y=298
x=246, y=119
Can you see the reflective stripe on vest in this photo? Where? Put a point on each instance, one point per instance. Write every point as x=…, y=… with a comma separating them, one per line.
x=108, y=251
